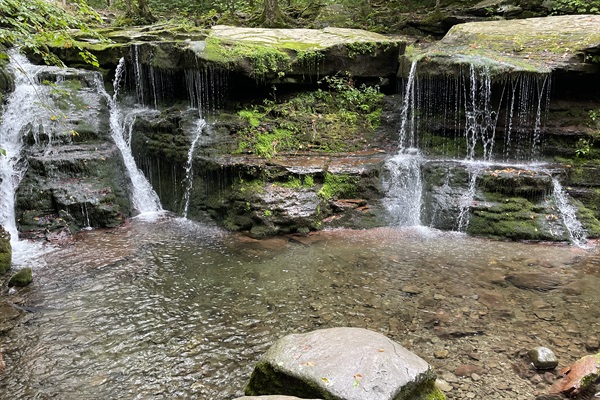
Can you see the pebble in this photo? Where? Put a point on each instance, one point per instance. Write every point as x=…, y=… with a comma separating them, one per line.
x=592, y=343
x=441, y=354
x=411, y=289
x=443, y=385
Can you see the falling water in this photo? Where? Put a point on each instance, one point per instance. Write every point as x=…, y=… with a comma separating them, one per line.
x=568, y=214
x=189, y=176
x=404, y=187
x=408, y=111
x=27, y=108
x=144, y=198
x=467, y=197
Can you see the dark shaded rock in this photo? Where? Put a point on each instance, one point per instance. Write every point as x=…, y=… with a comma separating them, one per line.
x=333, y=363
x=22, y=278
x=5, y=251
x=543, y=358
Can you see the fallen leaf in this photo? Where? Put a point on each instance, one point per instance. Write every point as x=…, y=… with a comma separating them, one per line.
x=578, y=376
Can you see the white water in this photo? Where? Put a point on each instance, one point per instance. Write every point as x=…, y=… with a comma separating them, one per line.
x=27, y=106
x=568, y=214
x=144, y=198
x=408, y=111
x=189, y=176
x=467, y=197
x=404, y=188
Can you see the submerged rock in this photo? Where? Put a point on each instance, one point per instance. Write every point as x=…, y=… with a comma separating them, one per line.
x=543, y=358
x=343, y=363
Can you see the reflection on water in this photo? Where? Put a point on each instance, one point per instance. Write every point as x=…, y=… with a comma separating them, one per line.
x=171, y=309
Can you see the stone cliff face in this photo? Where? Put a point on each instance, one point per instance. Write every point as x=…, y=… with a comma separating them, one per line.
x=211, y=75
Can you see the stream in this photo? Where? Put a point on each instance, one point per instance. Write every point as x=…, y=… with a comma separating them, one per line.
x=172, y=309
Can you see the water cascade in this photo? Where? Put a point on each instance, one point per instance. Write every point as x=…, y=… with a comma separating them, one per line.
x=144, y=198
x=189, y=176
x=403, y=182
x=568, y=214
x=474, y=118
x=28, y=109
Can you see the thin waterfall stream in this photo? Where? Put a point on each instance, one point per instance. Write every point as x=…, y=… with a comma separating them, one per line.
x=144, y=198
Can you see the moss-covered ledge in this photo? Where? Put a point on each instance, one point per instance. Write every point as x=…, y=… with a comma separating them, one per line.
x=542, y=45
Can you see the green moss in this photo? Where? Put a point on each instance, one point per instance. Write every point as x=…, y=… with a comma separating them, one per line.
x=341, y=118
x=5, y=251
x=22, y=278
x=338, y=186
x=263, y=59
x=359, y=48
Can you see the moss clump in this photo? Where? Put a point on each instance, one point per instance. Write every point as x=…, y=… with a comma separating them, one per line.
x=264, y=60
x=338, y=186
x=5, y=251
x=22, y=278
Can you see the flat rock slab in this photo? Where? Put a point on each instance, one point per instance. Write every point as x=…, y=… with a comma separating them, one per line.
x=342, y=363
x=532, y=44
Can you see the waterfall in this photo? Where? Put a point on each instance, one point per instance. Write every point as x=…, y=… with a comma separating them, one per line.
x=404, y=189
x=403, y=183
x=467, y=197
x=144, y=198
x=568, y=215
x=189, y=176
x=408, y=111
x=28, y=109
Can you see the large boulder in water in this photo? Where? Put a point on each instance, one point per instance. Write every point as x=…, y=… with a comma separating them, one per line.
x=343, y=363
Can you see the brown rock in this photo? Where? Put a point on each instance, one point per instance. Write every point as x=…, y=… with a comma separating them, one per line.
x=468, y=370
x=592, y=343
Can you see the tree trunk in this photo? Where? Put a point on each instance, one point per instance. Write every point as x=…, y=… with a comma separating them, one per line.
x=144, y=11
x=272, y=17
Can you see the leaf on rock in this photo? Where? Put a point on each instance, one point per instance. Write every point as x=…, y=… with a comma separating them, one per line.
x=578, y=376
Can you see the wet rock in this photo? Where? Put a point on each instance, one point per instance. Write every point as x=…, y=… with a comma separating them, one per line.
x=5, y=251
x=22, y=278
x=540, y=281
x=543, y=358
x=592, y=343
x=332, y=363
x=411, y=289
x=468, y=370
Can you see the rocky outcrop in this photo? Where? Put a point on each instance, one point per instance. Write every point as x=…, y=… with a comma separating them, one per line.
x=75, y=177
x=541, y=45
x=343, y=364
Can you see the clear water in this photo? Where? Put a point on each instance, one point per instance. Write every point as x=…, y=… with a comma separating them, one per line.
x=176, y=310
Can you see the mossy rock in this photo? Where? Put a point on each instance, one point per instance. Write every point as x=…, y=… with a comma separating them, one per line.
x=5, y=251
x=22, y=278
x=538, y=45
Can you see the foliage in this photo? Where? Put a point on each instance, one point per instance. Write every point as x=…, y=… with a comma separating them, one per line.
x=36, y=23
x=583, y=147
x=338, y=186
x=576, y=7
x=333, y=119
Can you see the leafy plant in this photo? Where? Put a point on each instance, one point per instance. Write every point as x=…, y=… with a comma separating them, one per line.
x=583, y=147
x=576, y=7
x=35, y=24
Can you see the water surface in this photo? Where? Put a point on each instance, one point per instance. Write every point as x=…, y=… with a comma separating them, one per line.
x=172, y=309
